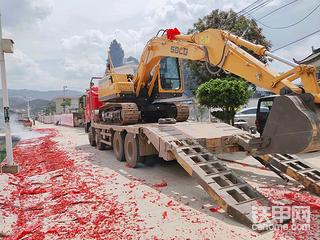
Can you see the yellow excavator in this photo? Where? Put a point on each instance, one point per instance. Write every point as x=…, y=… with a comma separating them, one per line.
x=291, y=126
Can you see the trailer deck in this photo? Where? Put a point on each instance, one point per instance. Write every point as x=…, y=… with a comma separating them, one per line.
x=194, y=146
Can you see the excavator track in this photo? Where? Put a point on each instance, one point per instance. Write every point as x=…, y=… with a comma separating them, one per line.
x=120, y=113
x=130, y=113
x=289, y=164
x=182, y=112
x=228, y=190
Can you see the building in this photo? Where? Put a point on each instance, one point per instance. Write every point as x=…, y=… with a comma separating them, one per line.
x=312, y=59
x=74, y=105
x=126, y=69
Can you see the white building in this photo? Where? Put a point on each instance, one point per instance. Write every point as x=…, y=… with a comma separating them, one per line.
x=313, y=59
x=74, y=106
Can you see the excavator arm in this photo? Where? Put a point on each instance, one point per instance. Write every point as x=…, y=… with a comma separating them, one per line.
x=292, y=125
x=223, y=49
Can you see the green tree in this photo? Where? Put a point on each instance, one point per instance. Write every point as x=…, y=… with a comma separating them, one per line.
x=230, y=21
x=133, y=59
x=226, y=95
x=117, y=53
x=65, y=102
x=50, y=109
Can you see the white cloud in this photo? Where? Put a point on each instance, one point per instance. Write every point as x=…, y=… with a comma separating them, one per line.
x=24, y=72
x=176, y=14
x=86, y=53
x=20, y=13
x=64, y=40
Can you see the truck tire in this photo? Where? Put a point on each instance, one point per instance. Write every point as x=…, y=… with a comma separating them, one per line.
x=100, y=145
x=118, y=145
x=92, y=136
x=131, y=150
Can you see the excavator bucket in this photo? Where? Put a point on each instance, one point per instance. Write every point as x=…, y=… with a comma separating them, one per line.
x=292, y=126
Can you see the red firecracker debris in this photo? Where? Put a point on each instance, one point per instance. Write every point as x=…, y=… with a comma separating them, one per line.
x=215, y=209
x=161, y=184
x=164, y=215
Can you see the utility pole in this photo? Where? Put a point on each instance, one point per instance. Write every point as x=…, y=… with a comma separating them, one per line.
x=64, y=99
x=6, y=47
x=28, y=107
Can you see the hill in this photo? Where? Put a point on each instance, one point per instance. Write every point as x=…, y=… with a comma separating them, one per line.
x=38, y=99
x=45, y=95
x=36, y=106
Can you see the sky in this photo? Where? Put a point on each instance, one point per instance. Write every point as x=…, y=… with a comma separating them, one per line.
x=60, y=42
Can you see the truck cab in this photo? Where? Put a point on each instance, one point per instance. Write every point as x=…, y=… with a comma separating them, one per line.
x=91, y=102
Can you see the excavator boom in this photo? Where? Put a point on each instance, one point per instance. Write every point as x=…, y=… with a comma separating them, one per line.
x=292, y=125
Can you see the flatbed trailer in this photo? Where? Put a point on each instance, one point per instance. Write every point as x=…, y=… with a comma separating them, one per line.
x=194, y=146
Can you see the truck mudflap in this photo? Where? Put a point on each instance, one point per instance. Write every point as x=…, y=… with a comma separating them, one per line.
x=289, y=164
x=292, y=126
x=228, y=190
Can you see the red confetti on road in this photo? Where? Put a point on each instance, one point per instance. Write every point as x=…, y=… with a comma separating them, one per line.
x=164, y=215
x=296, y=199
x=215, y=209
x=161, y=184
x=56, y=197
x=67, y=204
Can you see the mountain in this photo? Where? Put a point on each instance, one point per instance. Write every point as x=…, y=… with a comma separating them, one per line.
x=38, y=99
x=36, y=106
x=45, y=95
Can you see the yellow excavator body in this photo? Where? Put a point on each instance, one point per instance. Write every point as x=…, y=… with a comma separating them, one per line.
x=292, y=125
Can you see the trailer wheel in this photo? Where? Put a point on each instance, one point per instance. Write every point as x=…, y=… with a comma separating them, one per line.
x=92, y=136
x=118, y=145
x=100, y=145
x=131, y=150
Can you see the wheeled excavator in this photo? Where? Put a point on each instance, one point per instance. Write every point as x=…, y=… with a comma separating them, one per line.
x=291, y=126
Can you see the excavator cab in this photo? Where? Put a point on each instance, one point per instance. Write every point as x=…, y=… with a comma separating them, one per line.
x=170, y=81
x=170, y=74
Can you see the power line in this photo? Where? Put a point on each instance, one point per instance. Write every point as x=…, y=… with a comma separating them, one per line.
x=257, y=7
x=249, y=6
x=261, y=5
x=295, y=41
x=277, y=9
x=291, y=25
x=246, y=10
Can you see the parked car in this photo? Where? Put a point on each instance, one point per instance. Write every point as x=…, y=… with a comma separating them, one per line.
x=249, y=115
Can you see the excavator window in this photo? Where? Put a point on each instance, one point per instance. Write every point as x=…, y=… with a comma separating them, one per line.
x=170, y=74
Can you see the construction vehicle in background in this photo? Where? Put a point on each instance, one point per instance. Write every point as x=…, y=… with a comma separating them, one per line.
x=136, y=115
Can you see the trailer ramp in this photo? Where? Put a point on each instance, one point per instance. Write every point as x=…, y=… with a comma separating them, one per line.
x=289, y=164
x=228, y=190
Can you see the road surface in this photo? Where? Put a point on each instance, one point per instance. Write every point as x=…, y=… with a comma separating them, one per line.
x=68, y=189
